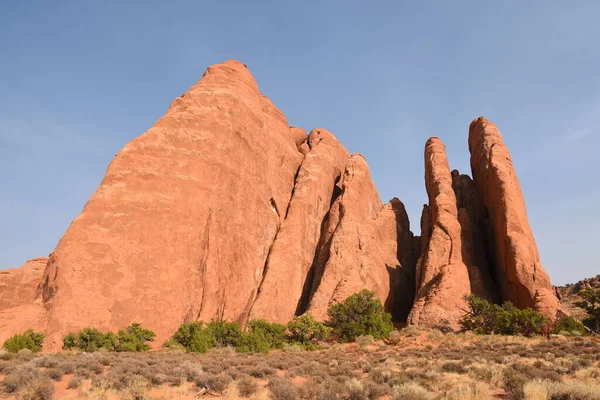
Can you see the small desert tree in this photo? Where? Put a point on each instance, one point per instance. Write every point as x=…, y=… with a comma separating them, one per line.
x=479, y=317
x=483, y=317
x=134, y=338
x=307, y=331
x=360, y=314
x=590, y=302
x=566, y=323
x=88, y=339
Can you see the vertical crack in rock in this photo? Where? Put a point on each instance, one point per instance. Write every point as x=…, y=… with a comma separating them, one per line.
x=321, y=255
x=402, y=276
x=204, y=261
x=470, y=217
x=265, y=268
x=287, y=210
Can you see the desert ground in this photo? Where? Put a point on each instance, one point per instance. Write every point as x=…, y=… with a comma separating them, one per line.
x=414, y=364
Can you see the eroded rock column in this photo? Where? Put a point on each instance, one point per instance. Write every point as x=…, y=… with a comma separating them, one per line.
x=520, y=274
x=443, y=278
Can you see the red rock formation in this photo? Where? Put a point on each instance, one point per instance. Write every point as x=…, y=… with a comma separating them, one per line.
x=20, y=308
x=587, y=283
x=19, y=286
x=519, y=272
x=362, y=241
x=443, y=278
x=222, y=211
x=182, y=224
x=294, y=248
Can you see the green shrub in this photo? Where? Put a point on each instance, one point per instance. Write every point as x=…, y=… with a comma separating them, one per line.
x=261, y=337
x=88, y=340
x=202, y=341
x=225, y=333
x=134, y=338
x=272, y=332
x=253, y=342
x=483, y=317
x=514, y=321
x=195, y=337
x=568, y=324
x=480, y=317
x=307, y=331
x=199, y=337
x=28, y=340
x=111, y=342
x=187, y=332
x=358, y=315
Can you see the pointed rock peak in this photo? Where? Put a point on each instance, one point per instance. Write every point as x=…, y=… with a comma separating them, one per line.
x=480, y=121
x=232, y=64
x=396, y=203
x=434, y=140
x=318, y=135
x=480, y=128
x=228, y=74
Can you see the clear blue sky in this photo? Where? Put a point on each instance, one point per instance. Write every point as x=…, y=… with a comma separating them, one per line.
x=79, y=79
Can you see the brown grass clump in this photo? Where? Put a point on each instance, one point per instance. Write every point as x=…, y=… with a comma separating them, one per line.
x=214, y=383
x=411, y=391
x=246, y=386
x=282, y=389
x=37, y=389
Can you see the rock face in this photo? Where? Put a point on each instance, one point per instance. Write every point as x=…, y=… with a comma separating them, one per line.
x=20, y=306
x=293, y=251
x=519, y=273
x=365, y=245
x=222, y=211
x=182, y=224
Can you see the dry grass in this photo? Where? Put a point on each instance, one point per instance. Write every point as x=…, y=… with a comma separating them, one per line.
x=413, y=364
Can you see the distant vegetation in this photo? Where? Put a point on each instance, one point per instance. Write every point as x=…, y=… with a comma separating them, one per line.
x=590, y=303
x=483, y=317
